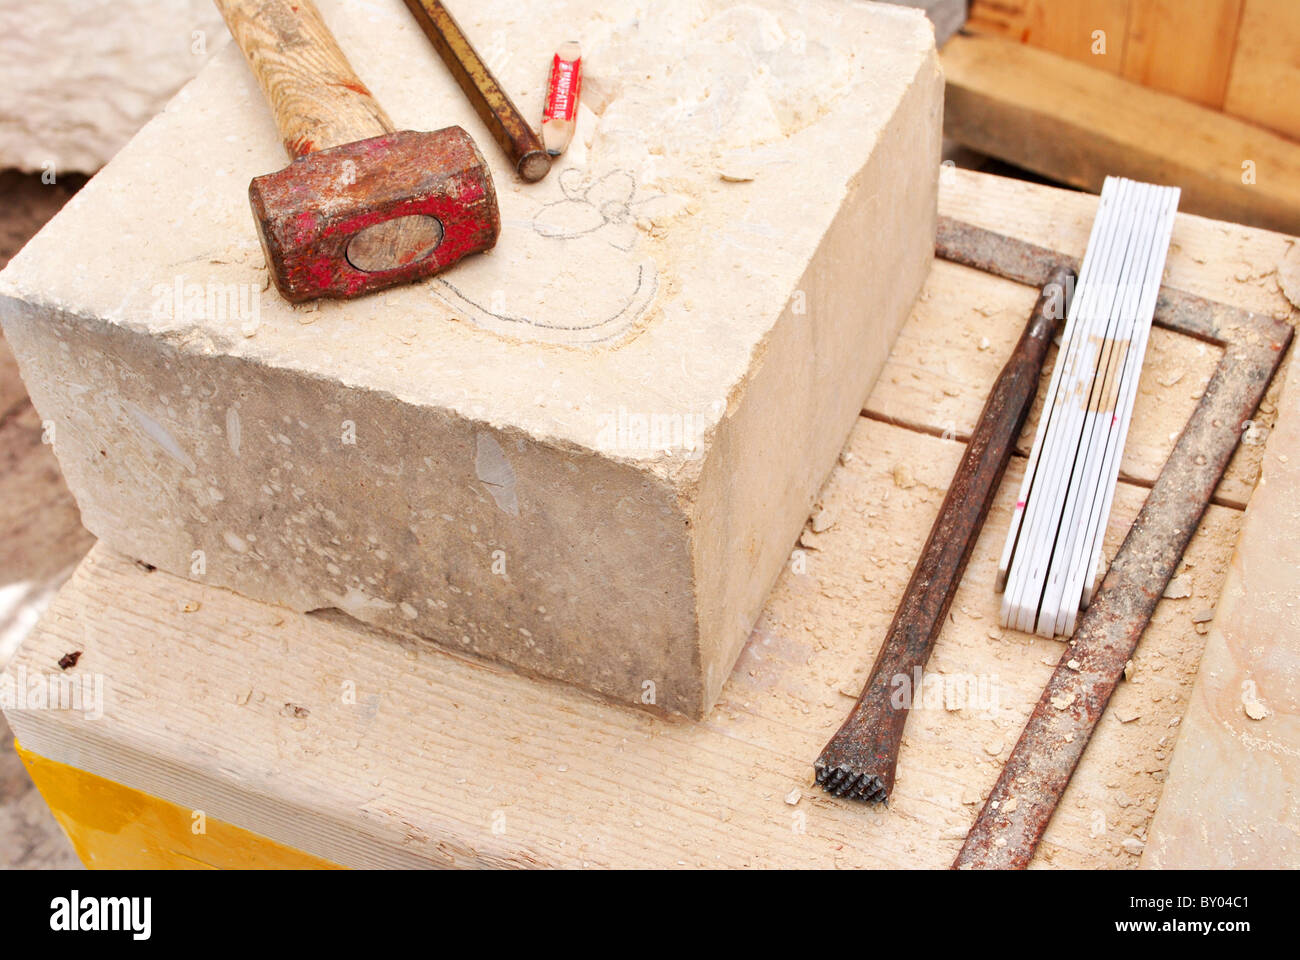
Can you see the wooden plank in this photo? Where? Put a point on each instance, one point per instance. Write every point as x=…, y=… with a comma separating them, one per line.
x=1266, y=67
x=978, y=317
x=1183, y=47
x=1077, y=125
x=1063, y=27
x=366, y=749
x=1233, y=796
x=151, y=834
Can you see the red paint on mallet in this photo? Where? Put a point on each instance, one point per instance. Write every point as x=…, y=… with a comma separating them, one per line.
x=563, y=90
x=362, y=206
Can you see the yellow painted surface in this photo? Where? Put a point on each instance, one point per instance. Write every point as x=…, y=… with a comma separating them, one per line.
x=113, y=827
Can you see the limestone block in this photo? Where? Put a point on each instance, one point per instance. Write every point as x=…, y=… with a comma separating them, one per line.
x=588, y=452
x=80, y=77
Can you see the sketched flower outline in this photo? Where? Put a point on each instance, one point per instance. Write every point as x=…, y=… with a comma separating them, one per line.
x=606, y=206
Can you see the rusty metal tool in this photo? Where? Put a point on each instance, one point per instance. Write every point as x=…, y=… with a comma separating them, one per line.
x=1058, y=730
x=362, y=206
x=493, y=105
x=861, y=759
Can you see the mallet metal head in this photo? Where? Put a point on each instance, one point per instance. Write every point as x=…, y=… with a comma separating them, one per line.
x=374, y=213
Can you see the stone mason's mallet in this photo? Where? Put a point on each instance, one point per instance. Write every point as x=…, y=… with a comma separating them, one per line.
x=362, y=206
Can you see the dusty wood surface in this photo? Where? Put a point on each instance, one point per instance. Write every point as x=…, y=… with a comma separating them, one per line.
x=370, y=749
x=942, y=390
x=1076, y=124
x=240, y=709
x=1233, y=796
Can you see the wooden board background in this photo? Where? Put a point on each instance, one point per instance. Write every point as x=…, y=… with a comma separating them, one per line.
x=1239, y=56
x=239, y=709
x=1077, y=125
x=1265, y=82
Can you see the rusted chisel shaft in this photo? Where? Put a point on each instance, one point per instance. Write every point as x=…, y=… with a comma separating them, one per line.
x=1014, y=259
x=1005, y=836
x=860, y=760
x=493, y=105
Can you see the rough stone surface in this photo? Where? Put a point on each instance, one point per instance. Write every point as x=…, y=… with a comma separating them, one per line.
x=80, y=77
x=588, y=452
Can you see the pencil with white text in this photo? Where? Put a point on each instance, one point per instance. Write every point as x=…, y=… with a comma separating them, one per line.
x=560, y=115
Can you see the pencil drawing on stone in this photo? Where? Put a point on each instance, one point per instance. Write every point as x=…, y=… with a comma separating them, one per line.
x=592, y=222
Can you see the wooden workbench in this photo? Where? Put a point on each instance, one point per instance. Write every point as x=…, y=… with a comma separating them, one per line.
x=296, y=737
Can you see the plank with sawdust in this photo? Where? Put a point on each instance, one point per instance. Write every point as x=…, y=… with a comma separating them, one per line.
x=978, y=317
x=1232, y=800
x=372, y=750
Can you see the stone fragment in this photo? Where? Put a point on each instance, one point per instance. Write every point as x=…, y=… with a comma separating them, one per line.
x=904, y=478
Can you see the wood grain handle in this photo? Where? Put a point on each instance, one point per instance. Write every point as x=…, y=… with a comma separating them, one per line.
x=317, y=99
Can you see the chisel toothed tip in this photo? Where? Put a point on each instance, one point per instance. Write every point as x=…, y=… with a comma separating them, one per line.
x=844, y=781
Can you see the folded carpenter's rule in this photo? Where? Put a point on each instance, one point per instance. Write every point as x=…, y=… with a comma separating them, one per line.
x=1052, y=560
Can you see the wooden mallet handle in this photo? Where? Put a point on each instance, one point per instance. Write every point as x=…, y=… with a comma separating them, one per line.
x=361, y=206
x=315, y=96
